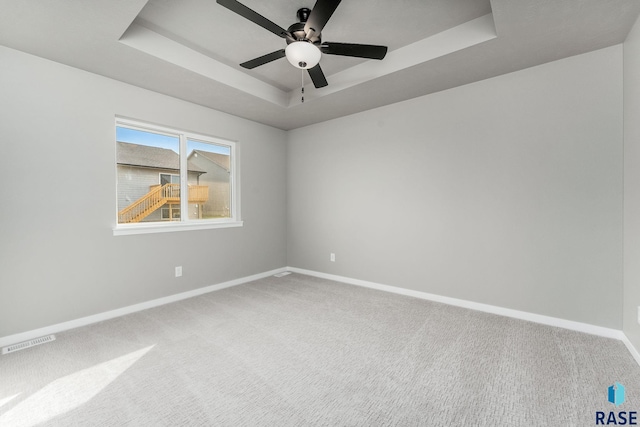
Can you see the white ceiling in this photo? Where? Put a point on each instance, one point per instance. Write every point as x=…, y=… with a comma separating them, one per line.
x=190, y=49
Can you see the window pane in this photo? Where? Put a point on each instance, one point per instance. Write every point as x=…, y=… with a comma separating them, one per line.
x=148, y=164
x=209, y=180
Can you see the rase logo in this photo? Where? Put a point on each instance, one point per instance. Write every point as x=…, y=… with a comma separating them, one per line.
x=616, y=395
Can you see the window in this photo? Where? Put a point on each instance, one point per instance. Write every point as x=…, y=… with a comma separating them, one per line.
x=166, y=178
x=171, y=213
x=156, y=168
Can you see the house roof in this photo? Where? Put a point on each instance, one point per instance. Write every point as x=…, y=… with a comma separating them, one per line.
x=151, y=157
x=222, y=160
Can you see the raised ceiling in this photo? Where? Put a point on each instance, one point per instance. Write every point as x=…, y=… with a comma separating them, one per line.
x=190, y=49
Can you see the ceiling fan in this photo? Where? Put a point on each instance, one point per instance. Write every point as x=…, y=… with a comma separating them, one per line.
x=304, y=43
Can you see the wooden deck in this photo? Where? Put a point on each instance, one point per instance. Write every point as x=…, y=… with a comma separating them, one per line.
x=158, y=196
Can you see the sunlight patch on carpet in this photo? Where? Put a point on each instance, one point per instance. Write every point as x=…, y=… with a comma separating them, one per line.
x=67, y=393
x=8, y=399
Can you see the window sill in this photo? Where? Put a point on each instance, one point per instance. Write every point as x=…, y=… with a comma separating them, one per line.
x=127, y=229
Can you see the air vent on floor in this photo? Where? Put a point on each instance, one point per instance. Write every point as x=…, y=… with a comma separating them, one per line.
x=27, y=344
x=284, y=273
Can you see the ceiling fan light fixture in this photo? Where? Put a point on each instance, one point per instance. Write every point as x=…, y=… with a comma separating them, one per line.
x=303, y=54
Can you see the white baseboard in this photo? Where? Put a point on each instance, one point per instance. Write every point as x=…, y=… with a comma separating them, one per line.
x=532, y=317
x=84, y=321
x=631, y=348
x=523, y=315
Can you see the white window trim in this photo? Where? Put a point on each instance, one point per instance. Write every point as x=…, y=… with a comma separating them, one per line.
x=165, y=227
x=184, y=224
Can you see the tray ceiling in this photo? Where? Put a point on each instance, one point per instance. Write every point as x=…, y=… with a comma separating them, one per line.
x=190, y=49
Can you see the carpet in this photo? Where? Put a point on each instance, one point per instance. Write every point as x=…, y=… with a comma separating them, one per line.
x=305, y=351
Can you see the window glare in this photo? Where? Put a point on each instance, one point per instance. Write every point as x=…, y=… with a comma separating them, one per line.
x=214, y=161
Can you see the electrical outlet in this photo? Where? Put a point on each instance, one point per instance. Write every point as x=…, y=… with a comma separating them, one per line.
x=178, y=271
x=332, y=257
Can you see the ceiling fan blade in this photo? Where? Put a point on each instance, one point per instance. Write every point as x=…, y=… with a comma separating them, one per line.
x=320, y=14
x=358, y=50
x=264, y=59
x=255, y=17
x=317, y=76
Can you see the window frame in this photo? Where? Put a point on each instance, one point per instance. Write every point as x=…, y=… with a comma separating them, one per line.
x=184, y=224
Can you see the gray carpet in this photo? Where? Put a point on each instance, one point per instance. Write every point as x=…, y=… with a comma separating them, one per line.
x=303, y=351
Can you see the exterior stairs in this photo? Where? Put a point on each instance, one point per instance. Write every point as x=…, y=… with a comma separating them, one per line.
x=159, y=196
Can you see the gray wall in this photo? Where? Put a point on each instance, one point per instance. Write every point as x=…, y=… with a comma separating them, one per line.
x=58, y=258
x=505, y=192
x=632, y=185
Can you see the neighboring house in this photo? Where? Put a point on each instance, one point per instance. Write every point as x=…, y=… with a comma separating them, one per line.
x=149, y=184
x=217, y=179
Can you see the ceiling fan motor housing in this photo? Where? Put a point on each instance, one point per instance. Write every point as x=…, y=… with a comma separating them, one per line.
x=298, y=33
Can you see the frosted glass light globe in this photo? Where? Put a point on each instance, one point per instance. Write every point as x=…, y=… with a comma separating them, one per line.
x=303, y=55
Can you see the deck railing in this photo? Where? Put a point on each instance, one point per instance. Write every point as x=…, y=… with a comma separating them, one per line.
x=198, y=193
x=158, y=196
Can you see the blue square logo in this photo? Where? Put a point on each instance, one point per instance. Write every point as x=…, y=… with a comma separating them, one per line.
x=616, y=394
